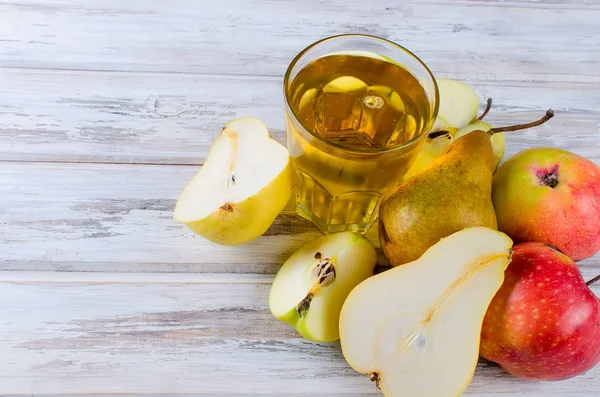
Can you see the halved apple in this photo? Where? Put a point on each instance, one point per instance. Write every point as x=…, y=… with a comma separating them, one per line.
x=311, y=286
x=245, y=182
x=415, y=329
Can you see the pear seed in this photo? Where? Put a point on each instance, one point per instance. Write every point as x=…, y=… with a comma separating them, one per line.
x=304, y=305
x=327, y=278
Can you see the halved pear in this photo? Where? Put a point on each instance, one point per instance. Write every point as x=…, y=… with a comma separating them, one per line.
x=458, y=108
x=459, y=104
x=245, y=182
x=415, y=329
x=311, y=286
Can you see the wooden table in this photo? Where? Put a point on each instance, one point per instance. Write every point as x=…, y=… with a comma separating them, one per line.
x=107, y=109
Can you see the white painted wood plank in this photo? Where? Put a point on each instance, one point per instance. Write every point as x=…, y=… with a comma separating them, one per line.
x=55, y=219
x=173, y=118
x=110, y=217
x=103, y=333
x=119, y=218
x=522, y=40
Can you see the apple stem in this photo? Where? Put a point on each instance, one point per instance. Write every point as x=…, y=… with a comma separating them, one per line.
x=488, y=106
x=549, y=114
x=592, y=281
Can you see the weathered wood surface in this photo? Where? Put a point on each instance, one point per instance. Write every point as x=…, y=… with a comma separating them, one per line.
x=156, y=333
x=118, y=117
x=491, y=40
x=107, y=108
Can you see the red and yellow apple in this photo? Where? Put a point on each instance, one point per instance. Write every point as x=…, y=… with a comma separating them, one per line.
x=544, y=321
x=550, y=195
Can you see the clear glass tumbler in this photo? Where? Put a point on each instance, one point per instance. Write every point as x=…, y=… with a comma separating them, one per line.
x=338, y=187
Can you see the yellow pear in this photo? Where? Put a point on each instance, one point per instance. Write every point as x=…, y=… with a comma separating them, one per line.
x=452, y=193
x=415, y=329
x=245, y=182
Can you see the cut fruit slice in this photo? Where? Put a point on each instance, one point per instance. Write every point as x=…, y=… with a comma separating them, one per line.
x=415, y=329
x=344, y=84
x=459, y=104
x=244, y=184
x=311, y=286
x=307, y=98
x=390, y=96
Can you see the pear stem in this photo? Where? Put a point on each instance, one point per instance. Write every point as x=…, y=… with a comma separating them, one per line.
x=549, y=114
x=592, y=281
x=488, y=106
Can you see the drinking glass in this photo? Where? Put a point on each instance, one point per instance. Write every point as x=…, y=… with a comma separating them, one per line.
x=339, y=187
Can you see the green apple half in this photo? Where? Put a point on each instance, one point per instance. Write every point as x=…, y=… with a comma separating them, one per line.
x=245, y=182
x=311, y=286
x=415, y=329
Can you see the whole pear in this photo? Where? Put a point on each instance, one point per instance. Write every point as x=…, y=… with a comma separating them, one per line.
x=452, y=193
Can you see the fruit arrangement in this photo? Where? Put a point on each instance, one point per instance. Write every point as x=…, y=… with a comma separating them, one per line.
x=481, y=254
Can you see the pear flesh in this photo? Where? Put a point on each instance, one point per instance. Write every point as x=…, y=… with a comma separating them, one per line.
x=311, y=286
x=452, y=193
x=244, y=184
x=457, y=116
x=415, y=329
x=459, y=104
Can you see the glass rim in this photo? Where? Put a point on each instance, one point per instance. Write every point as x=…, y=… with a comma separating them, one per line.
x=296, y=59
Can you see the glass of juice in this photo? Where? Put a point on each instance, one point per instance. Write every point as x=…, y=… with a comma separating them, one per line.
x=358, y=109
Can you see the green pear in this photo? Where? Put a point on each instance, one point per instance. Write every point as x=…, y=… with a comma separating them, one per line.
x=245, y=182
x=415, y=329
x=311, y=286
x=452, y=193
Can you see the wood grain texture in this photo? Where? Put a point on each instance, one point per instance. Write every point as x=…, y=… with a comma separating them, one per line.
x=107, y=108
x=489, y=40
x=98, y=217
x=172, y=119
x=183, y=333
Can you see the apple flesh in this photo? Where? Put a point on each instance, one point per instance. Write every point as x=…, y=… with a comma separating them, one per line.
x=311, y=286
x=544, y=322
x=415, y=329
x=245, y=182
x=550, y=195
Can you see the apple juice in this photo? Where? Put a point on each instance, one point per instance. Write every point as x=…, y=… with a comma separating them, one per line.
x=365, y=109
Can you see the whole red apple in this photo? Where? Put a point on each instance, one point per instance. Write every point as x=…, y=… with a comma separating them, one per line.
x=552, y=196
x=544, y=322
